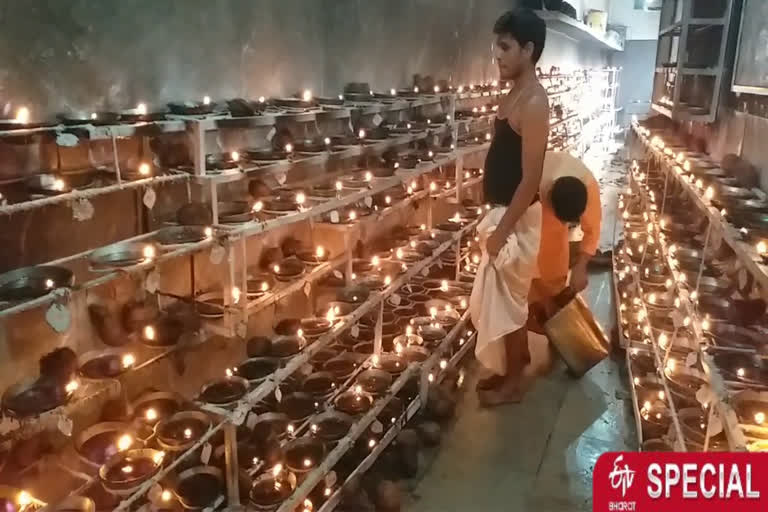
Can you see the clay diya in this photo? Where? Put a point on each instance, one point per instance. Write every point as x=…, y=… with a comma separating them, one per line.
x=394, y=364
x=270, y=425
x=298, y=406
x=200, y=487
x=374, y=381
x=313, y=258
x=288, y=327
x=353, y=402
x=684, y=383
x=271, y=489
x=286, y=346
x=431, y=334
x=124, y=472
x=415, y=354
x=734, y=336
x=105, y=364
x=320, y=385
x=341, y=367
x=340, y=309
x=304, y=454
x=32, y=282
x=210, y=304
x=224, y=392
x=256, y=369
x=330, y=427
x=30, y=397
x=181, y=430
x=353, y=294
x=287, y=270
x=656, y=445
x=165, y=331
x=693, y=422
x=259, y=285
x=314, y=328
x=97, y=443
x=743, y=368
x=391, y=412
x=752, y=410
x=154, y=406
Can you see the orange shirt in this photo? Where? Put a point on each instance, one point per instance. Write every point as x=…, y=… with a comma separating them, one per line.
x=553, y=248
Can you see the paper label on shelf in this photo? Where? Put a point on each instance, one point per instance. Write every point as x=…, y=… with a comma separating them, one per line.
x=715, y=425
x=330, y=479
x=377, y=119
x=152, y=281
x=149, y=198
x=377, y=427
x=82, y=209
x=705, y=395
x=205, y=456
x=368, y=201
x=64, y=424
x=395, y=299
x=217, y=254
x=307, y=288
x=271, y=134
x=355, y=331
x=251, y=421
x=58, y=317
x=67, y=140
x=278, y=394
x=338, y=275
x=238, y=416
x=334, y=217
x=691, y=358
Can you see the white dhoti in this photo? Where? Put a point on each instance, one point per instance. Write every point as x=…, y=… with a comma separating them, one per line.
x=499, y=301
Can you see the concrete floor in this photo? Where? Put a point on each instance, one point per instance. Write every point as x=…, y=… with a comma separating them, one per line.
x=537, y=455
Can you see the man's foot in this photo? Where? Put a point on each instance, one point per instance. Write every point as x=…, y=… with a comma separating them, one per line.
x=511, y=392
x=492, y=382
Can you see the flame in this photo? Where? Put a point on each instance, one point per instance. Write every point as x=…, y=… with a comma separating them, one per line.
x=58, y=184
x=206, y=100
x=289, y=148
x=187, y=433
x=277, y=469
x=388, y=200
x=257, y=206
x=141, y=108
x=127, y=469
x=327, y=141
x=149, y=333
x=760, y=418
x=443, y=364
x=416, y=89
x=361, y=134
x=399, y=253
x=49, y=283
x=166, y=495
x=368, y=176
x=307, y=463
x=235, y=156
x=307, y=95
x=24, y=499
x=158, y=457
x=320, y=251
x=762, y=247
x=301, y=198
x=129, y=360
x=276, y=269
x=22, y=115
x=71, y=386
x=151, y=414
x=262, y=99
x=331, y=315
x=352, y=215
x=487, y=136
x=392, y=92
x=437, y=88
x=264, y=286
x=124, y=442
x=148, y=252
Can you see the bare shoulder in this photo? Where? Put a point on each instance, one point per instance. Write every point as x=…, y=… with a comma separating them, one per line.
x=537, y=102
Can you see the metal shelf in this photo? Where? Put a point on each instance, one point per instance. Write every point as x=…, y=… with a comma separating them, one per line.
x=569, y=27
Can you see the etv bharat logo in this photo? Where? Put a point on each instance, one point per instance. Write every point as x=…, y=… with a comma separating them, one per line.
x=621, y=477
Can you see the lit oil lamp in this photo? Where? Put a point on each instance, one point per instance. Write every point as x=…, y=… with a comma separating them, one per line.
x=361, y=134
x=148, y=252
x=141, y=109
x=307, y=95
x=144, y=169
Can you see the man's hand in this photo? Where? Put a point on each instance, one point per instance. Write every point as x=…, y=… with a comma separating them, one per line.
x=579, y=277
x=495, y=243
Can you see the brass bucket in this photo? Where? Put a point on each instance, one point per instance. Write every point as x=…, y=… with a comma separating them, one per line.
x=576, y=334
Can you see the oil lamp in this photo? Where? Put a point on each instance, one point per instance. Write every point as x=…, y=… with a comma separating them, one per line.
x=416, y=89
x=206, y=100
x=289, y=148
x=128, y=360
x=437, y=88
x=307, y=95
x=262, y=99
x=148, y=252
x=327, y=141
x=361, y=134
x=257, y=206
x=141, y=108
x=392, y=92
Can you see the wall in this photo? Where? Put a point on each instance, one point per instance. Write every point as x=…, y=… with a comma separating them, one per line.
x=91, y=55
x=636, y=81
x=640, y=24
